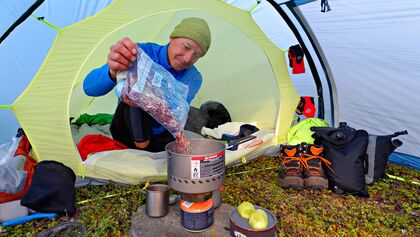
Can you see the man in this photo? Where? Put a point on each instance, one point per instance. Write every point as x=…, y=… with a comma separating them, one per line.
x=189, y=41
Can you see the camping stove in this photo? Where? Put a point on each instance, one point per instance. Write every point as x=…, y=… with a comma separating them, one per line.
x=197, y=174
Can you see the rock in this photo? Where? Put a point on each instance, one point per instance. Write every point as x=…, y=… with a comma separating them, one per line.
x=65, y=229
x=170, y=225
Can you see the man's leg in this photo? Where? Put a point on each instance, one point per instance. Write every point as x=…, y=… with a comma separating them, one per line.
x=131, y=126
x=140, y=125
x=119, y=129
x=141, y=129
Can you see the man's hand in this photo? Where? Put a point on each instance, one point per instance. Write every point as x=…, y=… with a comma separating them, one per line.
x=121, y=55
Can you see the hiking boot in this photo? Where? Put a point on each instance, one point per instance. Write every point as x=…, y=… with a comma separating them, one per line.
x=291, y=172
x=313, y=174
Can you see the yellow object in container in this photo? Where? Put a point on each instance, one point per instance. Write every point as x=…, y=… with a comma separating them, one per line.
x=245, y=209
x=258, y=220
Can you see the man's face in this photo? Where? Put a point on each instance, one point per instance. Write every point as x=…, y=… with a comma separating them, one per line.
x=183, y=53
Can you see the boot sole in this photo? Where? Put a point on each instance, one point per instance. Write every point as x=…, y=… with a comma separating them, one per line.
x=318, y=183
x=293, y=182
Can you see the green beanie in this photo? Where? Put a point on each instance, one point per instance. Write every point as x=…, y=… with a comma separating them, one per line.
x=195, y=29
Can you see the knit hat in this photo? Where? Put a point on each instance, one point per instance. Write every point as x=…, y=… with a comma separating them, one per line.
x=195, y=29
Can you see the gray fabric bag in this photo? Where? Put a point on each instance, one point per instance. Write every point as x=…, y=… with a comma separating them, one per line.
x=378, y=150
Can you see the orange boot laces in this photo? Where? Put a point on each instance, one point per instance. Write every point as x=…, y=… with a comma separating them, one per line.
x=312, y=170
x=292, y=170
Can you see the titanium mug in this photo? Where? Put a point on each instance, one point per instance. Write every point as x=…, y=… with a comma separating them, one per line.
x=157, y=200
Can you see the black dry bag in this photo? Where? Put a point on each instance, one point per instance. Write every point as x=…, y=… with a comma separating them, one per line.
x=52, y=189
x=345, y=148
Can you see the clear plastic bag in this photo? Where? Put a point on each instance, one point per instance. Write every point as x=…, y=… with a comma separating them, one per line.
x=7, y=150
x=152, y=88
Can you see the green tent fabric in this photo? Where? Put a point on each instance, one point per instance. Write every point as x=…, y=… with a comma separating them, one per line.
x=241, y=56
x=343, y=93
x=301, y=132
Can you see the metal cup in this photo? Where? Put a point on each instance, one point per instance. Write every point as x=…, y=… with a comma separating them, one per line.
x=157, y=200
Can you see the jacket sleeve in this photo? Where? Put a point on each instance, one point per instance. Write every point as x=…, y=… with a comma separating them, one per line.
x=194, y=80
x=98, y=82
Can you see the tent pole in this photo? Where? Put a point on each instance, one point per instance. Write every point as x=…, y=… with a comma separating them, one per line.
x=331, y=88
x=323, y=61
x=21, y=19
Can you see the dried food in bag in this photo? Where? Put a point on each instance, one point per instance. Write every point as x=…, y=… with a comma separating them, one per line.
x=149, y=86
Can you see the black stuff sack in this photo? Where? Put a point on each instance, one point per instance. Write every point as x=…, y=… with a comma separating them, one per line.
x=196, y=120
x=211, y=114
x=216, y=114
x=378, y=151
x=345, y=148
x=52, y=189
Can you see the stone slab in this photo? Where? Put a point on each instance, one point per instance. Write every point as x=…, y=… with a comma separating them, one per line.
x=170, y=225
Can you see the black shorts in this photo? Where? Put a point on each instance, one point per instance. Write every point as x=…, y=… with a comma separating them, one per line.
x=132, y=124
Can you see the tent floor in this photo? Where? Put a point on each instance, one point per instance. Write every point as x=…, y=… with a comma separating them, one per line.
x=170, y=225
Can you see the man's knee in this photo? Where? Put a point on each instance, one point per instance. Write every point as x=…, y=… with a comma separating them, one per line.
x=142, y=145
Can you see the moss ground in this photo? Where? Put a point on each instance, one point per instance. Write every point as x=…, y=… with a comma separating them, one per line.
x=393, y=208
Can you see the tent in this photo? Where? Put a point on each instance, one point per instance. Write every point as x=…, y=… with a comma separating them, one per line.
x=356, y=71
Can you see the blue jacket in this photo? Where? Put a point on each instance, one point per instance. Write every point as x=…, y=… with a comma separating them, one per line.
x=98, y=82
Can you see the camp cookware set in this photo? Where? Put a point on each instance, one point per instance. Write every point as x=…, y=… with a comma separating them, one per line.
x=197, y=175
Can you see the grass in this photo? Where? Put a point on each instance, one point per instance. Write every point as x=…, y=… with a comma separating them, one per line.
x=392, y=209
